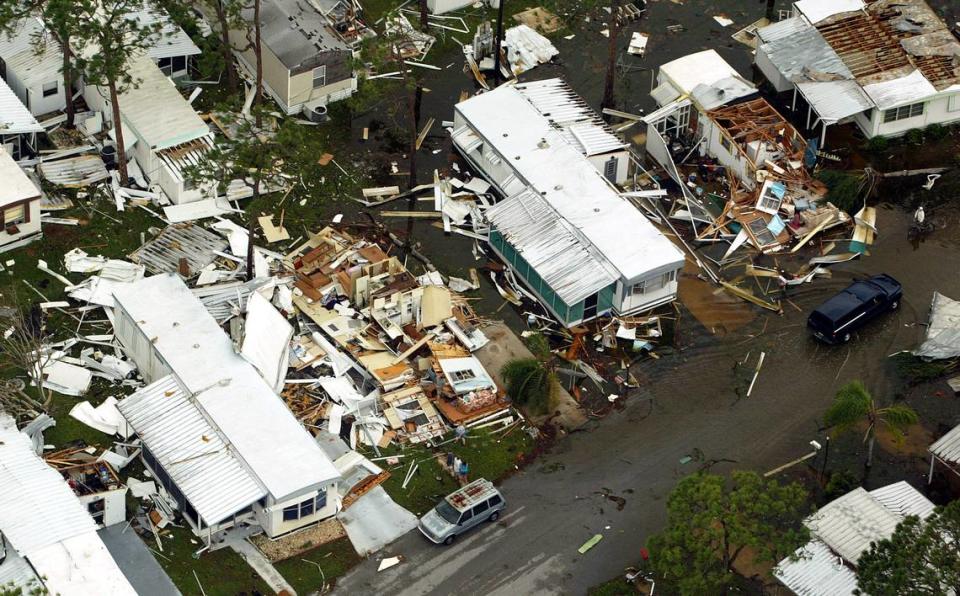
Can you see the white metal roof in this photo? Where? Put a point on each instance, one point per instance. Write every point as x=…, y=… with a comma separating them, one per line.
x=199, y=460
x=229, y=390
x=798, y=50
x=907, y=89
x=15, y=118
x=722, y=92
x=569, y=183
x=156, y=111
x=32, y=63
x=850, y=523
x=171, y=40
x=947, y=447
x=942, y=340
x=818, y=10
x=16, y=572
x=44, y=521
x=818, y=572
x=902, y=500
x=700, y=68
x=835, y=100
x=568, y=112
x=552, y=246
x=16, y=185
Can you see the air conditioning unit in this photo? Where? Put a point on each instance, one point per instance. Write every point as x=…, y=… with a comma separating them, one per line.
x=316, y=113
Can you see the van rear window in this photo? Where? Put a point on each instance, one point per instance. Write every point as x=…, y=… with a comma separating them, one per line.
x=821, y=321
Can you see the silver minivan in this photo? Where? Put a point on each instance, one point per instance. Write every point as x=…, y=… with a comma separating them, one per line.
x=461, y=510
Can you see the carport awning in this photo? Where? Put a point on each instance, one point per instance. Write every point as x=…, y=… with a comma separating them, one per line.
x=835, y=100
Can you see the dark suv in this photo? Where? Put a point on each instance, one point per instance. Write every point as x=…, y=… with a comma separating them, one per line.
x=835, y=320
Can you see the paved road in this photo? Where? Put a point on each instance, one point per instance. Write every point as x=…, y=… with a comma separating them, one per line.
x=555, y=505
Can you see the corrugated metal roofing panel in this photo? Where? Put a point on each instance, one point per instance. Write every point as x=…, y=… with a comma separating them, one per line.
x=835, y=100
x=15, y=118
x=902, y=500
x=569, y=113
x=797, y=49
x=850, y=523
x=819, y=10
x=16, y=572
x=171, y=40
x=199, y=460
x=156, y=111
x=33, y=63
x=37, y=508
x=551, y=246
x=818, y=572
x=913, y=87
x=947, y=447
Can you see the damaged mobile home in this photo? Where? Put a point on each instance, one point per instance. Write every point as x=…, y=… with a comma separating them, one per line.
x=48, y=541
x=306, y=62
x=563, y=227
x=739, y=164
x=161, y=130
x=842, y=531
x=212, y=427
x=18, y=127
x=887, y=66
x=19, y=205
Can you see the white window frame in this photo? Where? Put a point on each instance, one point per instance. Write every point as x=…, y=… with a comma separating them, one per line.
x=47, y=91
x=953, y=103
x=463, y=375
x=639, y=288
x=15, y=221
x=912, y=110
x=320, y=73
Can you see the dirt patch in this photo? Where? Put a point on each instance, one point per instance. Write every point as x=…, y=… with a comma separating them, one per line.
x=299, y=542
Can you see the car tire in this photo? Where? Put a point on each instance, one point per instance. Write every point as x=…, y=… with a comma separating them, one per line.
x=449, y=540
x=845, y=338
x=895, y=305
x=494, y=516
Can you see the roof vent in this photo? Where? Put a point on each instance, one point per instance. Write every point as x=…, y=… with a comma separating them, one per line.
x=543, y=144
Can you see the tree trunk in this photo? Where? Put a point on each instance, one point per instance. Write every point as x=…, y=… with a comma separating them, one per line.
x=118, y=131
x=770, y=8
x=614, y=30
x=67, y=79
x=251, y=273
x=496, y=45
x=870, y=442
x=225, y=47
x=424, y=21
x=258, y=48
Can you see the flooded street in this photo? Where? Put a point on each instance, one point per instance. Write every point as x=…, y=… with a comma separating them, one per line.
x=691, y=410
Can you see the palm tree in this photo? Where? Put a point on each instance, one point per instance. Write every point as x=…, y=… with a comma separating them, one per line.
x=854, y=404
x=530, y=380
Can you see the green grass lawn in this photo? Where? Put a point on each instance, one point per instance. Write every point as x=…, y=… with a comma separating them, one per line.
x=309, y=571
x=222, y=572
x=488, y=455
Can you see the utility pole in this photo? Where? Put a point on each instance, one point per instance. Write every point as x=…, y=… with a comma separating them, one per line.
x=496, y=49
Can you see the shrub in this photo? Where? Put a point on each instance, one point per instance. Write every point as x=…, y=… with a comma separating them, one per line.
x=936, y=132
x=529, y=383
x=843, y=189
x=915, y=136
x=917, y=370
x=840, y=483
x=878, y=144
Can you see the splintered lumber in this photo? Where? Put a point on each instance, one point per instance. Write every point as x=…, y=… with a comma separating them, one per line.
x=814, y=232
x=381, y=191
x=423, y=133
x=745, y=295
x=420, y=214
